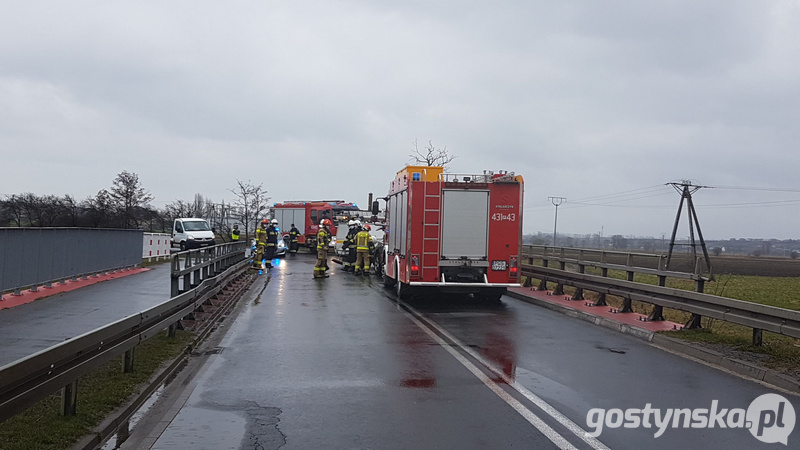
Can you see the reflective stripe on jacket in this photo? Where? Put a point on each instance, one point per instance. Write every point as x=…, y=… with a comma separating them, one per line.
x=261, y=236
x=272, y=236
x=363, y=240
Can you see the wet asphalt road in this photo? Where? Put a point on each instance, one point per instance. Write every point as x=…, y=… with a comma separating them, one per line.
x=28, y=328
x=339, y=363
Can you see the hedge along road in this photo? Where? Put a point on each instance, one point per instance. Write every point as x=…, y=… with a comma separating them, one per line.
x=340, y=363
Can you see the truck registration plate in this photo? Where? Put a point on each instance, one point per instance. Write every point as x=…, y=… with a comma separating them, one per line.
x=499, y=265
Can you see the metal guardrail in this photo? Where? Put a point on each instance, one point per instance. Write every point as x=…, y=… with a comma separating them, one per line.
x=649, y=263
x=191, y=267
x=30, y=379
x=756, y=316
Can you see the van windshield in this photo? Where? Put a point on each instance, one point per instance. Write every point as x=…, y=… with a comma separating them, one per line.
x=199, y=225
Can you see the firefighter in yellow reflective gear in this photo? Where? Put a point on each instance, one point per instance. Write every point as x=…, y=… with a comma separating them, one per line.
x=235, y=233
x=260, y=244
x=364, y=246
x=323, y=241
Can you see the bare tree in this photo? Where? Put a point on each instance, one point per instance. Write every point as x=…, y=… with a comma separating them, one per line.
x=129, y=198
x=179, y=208
x=431, y=156
x=100, y=209
x=251, y=203
x=72, y=211
x=14, y=209
x=201, y=206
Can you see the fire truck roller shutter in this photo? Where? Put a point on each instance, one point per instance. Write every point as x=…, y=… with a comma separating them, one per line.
x=465, y=224
x=288, y=216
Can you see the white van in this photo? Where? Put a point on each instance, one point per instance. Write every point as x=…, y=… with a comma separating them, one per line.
x=192, y=233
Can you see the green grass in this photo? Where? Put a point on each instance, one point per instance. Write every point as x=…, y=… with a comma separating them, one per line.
x=42, y=427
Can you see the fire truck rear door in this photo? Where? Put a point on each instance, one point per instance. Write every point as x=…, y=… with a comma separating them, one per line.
x=465, y=224
x=288, y=216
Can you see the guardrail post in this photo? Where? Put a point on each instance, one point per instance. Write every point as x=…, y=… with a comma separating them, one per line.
x=627, y=305
x=601, y=296
x=128, y=360
x=187, y=279
x=579, y=291
x=658, y=311
x=171, y=330
x=543, y=281
x=198, y=263
x=69, y=399
x=758, y=337
x=210, y=269
x=559, y=290
x=694, y=321
x=174, y=279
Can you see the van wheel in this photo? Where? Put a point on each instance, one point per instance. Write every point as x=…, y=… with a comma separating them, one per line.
x=183, y=246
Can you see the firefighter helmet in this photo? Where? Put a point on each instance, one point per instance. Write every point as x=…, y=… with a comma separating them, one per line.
x=325, y=222
x=351, y=223
x=274, y=221
x=367, y=227
x=265, y=222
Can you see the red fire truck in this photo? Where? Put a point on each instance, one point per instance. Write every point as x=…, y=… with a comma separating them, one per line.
x=453, y=232
x=306, y=217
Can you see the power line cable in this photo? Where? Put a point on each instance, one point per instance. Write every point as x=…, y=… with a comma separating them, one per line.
x=744, y=188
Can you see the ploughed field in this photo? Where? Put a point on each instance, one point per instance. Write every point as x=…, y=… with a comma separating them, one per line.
x=734, y=265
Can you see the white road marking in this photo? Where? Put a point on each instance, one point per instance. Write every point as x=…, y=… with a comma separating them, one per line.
x=533, y=398
x=514, y=403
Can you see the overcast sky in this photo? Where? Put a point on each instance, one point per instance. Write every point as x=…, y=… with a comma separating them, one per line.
x=601, y=102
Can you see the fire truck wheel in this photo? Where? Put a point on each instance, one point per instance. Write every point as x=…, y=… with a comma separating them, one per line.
x=388, y=281
x=403, y=290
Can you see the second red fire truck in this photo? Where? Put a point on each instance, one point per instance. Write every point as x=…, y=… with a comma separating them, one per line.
x=306, y=216
x=453, y=232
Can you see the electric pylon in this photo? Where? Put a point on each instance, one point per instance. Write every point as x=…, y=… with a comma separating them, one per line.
x=686, y=189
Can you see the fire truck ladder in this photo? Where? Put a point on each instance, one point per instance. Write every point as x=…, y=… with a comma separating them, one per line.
x=431, y=218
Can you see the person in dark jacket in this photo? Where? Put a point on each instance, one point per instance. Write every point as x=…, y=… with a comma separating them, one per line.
x=349, y=246
x=294, y=235
x=272, y=242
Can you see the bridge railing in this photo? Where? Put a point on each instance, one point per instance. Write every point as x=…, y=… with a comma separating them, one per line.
x=192, y=267
x=30, y=379
x=698, y=304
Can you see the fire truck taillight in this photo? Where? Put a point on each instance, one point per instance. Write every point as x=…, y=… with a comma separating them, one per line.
x=512, y=267
x=414, y=265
